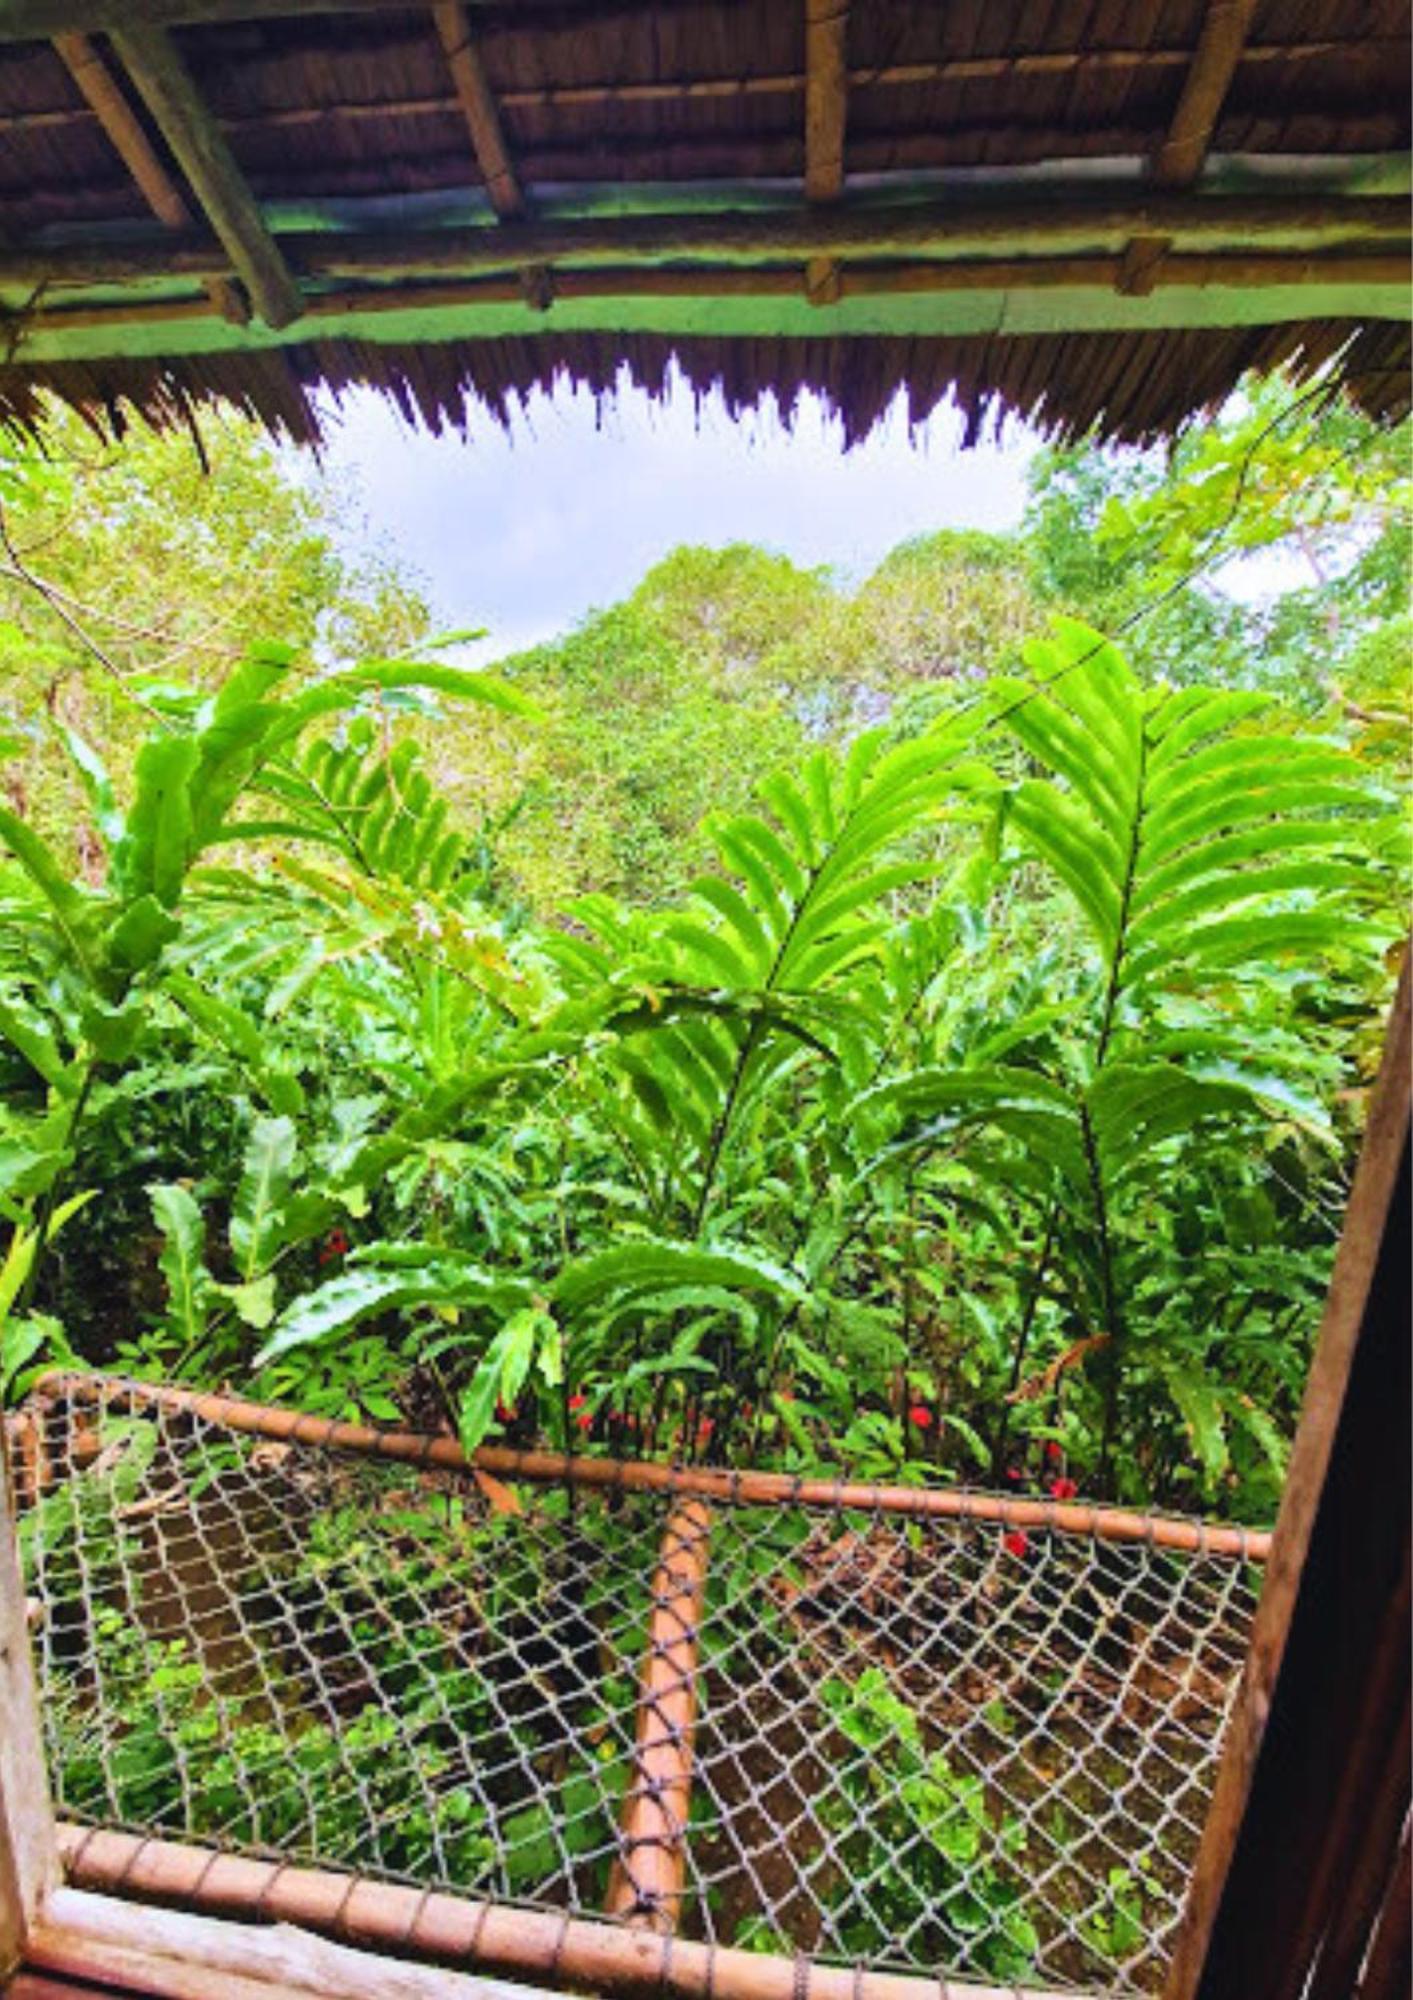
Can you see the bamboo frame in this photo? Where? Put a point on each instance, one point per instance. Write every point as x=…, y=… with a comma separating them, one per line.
x=1064, y=223
x=554, y=1950
x=648, y=1879
x=826, y=280
x=728, y=1487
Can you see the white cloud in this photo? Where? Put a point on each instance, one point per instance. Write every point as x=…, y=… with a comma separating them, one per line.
x=524, y=531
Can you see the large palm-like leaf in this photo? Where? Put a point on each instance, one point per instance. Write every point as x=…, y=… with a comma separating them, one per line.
x=1210, y=859
x=758, y=973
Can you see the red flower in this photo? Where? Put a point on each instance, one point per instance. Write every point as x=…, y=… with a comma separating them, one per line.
x=577, y=1402
x=1016, y=1542
x=335, y=1244
x=1014, y=1476
x=705, y=1428
x=1063, y=1489
x=584, y=1420
x=920, y=1415
x=505, y=1413
x=1053, y=1450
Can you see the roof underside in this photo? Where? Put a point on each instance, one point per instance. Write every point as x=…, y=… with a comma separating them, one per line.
x=1087, y=211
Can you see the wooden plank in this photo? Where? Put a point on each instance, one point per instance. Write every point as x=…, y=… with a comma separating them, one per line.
x=179, y=1956
x=1388, y=1970
x=1338, y=1548
x=41, y=20
x=1183, y=153
x=478, y=107
x=826, y=97
x=28, y=1853
x=1069, y=222
x=151, y=60
x=113, y=112
x=650, y=1873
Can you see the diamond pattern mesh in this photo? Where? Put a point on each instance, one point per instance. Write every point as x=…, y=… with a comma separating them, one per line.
x=919, y=1744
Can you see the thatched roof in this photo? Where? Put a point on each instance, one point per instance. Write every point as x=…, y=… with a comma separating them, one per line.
x=1095, y=212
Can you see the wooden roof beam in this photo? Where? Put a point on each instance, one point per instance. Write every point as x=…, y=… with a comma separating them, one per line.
x=1058, y=223
x=200, y=150
x=120, y=123
x=826, y=97
x=478, y=106
x=1183, y=153
x=826, y=110
x=1179, y=160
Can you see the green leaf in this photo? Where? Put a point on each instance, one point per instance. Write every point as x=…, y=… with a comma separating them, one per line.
x=394, y=1275
x=254, y=1302
x=257, y=1215
x=27, y=1030
x=141, y=934
x=1200, y=1405
x=501, y=1374
x=651, y=1262
x=182, y=1260
x=157, y=845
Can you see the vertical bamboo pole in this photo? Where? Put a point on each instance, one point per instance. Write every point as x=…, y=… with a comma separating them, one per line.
x=648, y=1877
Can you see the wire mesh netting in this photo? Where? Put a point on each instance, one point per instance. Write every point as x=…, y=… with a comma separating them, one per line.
x=911, y=1743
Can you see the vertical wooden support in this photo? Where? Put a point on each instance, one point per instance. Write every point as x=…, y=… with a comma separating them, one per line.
x=1183, y=152
x=125, y=134
x=478, y=107
x=150, y=57
x=648, y=1877
x=1313, y=1787
x=1180, y=158
x=826, y=111
x=28, y=1851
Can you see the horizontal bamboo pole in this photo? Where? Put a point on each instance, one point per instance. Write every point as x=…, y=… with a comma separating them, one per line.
x=556, y=1950
x=1071, y=218
x=1043, y=63
x=649, y=1874
x=730, y=1487
x=1271, y=271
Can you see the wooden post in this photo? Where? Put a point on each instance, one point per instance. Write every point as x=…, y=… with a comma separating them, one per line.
x=1301, y=1822
x=28, y=1863
x=649, y=1874
x=200, y=149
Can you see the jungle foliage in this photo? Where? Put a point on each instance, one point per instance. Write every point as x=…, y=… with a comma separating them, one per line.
x=970, y=1089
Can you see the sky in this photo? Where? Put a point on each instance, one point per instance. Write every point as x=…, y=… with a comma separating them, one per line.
x=525, y=531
